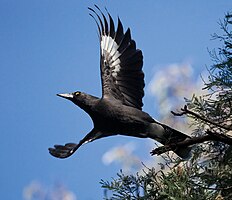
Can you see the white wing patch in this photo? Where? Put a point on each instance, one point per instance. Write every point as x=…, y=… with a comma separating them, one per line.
x=109, y=50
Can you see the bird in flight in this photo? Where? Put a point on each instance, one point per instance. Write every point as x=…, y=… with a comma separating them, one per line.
x=119, y=110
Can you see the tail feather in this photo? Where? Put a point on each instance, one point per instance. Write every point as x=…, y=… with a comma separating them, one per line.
x=172, y=136
x=167, y=135
x=184, y=152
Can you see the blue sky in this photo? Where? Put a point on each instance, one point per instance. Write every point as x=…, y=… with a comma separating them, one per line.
x=51, y=46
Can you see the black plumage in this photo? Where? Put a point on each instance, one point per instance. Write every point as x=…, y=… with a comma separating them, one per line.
x=119, y=110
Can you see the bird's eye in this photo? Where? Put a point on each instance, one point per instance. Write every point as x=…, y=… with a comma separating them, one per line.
x=77, y=93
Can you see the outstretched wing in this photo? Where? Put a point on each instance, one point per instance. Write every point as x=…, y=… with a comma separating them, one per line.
x=64, y=151
x=121, y=63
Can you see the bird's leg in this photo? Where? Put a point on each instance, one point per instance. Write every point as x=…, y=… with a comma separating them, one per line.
x=64, y=151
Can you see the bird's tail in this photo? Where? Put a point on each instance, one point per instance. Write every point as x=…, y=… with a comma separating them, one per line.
x=167, y=135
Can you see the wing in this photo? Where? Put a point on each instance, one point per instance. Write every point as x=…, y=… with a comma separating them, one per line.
x=121, y=63
x=64, y=151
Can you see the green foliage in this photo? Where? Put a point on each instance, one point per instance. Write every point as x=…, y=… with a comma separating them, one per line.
x=208, y=174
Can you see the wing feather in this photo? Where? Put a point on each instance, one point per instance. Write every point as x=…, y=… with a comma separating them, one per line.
x=121, y=63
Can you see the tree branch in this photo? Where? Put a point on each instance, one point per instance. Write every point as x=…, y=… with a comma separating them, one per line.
x=220, y=137
x=186, y=111
x=185, y=143
x=211, y=136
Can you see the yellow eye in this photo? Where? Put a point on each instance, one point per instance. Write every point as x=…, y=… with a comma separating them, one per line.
x=77, y=93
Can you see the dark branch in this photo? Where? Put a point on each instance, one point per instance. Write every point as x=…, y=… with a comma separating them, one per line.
x=220, y=137
x=185, y=143
x=186, y=111
x=211, y=136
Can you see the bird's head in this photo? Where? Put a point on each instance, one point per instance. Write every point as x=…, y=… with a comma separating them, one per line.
x=74, y=96
x=81, y=99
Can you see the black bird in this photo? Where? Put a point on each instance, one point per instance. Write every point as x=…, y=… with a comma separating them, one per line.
x=119, y=110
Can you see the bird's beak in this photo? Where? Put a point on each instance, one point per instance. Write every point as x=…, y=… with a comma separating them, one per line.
x=66, y=96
